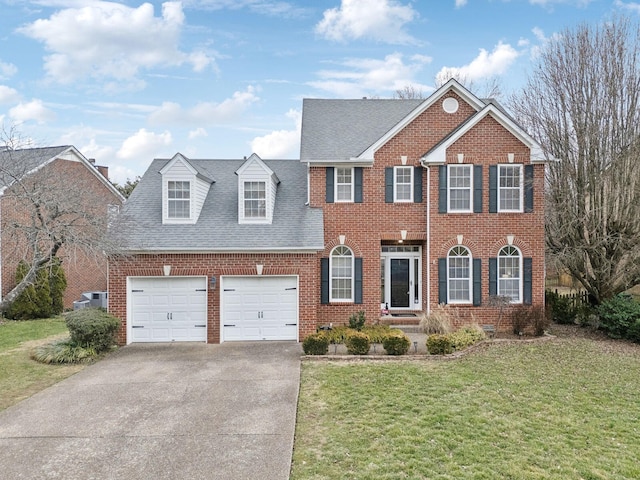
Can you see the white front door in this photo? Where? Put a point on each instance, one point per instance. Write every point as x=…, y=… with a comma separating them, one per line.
x=259, y=308
x=167, y=309
x=401, y=277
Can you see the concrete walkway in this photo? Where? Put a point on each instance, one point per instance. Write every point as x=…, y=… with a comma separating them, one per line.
x=161, y=411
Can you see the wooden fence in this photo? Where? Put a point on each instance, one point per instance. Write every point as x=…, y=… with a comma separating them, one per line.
x=577, y=298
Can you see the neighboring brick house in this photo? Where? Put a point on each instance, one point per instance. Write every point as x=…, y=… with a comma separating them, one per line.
x=62, y=167
x=394, y=207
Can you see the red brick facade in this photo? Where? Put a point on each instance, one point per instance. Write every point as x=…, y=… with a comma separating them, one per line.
x=84, y=271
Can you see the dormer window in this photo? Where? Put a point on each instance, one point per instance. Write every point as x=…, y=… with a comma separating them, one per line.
x=255, y=200
x=179, y=199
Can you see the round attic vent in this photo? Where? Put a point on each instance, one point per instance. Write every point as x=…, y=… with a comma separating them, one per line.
x=450, y=105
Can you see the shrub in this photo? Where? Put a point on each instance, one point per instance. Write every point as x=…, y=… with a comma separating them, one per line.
x=529, y=318
x=561, y=308
x=316, y=344
x=465, y=337
x=57, y=286
x=377, y=333
x=35, y=300
x=357, y=320
x=438, y=321
x=63, y=351
x=396, y=343
x=618, y=314
x=92, y=327
x=439, y=344
x=633, y=333
x=357, y=343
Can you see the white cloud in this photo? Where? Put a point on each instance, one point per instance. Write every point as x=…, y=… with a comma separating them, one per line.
x=373, y=76
x=7, y=70
x=33, y=110
x=460, y=3
x=485, y=65
x=106, y=39
x=198, y=132
x=631, y=6
x=205, y=113
x=263, y=7
x=8, y=95
x=381, y=20
x=144, y=145
x=550, y=3
x=280, y=143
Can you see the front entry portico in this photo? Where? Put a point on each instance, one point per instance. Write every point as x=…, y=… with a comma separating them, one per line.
x=401, y=277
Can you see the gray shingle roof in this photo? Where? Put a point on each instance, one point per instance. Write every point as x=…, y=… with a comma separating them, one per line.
x=21, y=161
x=295, y=225
x=342, y=129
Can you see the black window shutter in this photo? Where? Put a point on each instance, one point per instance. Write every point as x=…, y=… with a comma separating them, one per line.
x=358, y=280
x=528, y=188
x=528, y=281
x=417, y=184
x=493, y=277
x=330, y=174
x=357, y=185
x=324, y=280
x=493, y=188
x=388, y=185
x=477, y=282
x=477, y=189
x=442, y=280
x=442, y=197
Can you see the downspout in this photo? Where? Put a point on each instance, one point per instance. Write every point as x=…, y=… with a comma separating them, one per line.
x=308, y=184
x=428, y=239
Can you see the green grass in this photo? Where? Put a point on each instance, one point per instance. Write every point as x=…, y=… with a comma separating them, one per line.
x=21, y=377
x=562, y=409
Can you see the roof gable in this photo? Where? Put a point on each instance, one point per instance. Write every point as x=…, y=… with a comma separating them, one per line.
x=255, y=159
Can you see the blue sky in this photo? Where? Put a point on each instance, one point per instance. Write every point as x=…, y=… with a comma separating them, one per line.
x=127, y=81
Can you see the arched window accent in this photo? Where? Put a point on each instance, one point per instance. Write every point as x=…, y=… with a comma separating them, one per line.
x=510, y=273
x=341, y=278
x=459, y=275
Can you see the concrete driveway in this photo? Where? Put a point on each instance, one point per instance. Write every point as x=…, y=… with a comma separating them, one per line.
x=161, y=411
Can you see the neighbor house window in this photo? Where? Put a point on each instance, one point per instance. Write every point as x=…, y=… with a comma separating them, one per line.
x=179, y=198
x=459, y=275
x=460, y=183
x=255, y=204
x=403, y=184
x=344, y=184
x=510, y=189
x=510, y=273
x=341, y=268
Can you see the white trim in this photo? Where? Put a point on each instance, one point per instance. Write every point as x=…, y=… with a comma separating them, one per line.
x=520, y=271
x=412, y=257
x=335, y=185
x=395, y=184
x=470, y=279
x=353, y=276
x=451, y=167
x=521, y=187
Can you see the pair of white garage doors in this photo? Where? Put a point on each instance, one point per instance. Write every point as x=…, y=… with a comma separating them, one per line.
x=168, y=309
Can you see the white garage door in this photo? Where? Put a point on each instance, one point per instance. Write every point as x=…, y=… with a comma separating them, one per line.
x=259, y=308
x=168, y=309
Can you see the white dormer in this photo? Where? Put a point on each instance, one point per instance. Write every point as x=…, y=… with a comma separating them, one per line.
x=183, y=191
x=257, y=185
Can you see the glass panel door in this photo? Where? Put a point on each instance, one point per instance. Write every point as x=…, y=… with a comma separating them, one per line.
x=400, y=288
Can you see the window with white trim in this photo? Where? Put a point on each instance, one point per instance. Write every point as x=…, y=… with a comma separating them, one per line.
x=341, y=277
x=459, y=275
x=460, y=183
x=403, y=184
x=255, y=203
x=510, y=191
x=179, y=199
x=344, y=184
x=510, y=273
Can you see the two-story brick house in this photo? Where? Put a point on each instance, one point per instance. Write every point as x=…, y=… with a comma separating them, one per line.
x=394, y=207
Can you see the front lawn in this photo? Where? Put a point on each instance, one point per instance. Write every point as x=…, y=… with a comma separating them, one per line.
x=561, y=409
x=21, y=377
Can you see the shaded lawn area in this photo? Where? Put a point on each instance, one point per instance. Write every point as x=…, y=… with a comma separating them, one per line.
x=21, y=377
x=561, y=409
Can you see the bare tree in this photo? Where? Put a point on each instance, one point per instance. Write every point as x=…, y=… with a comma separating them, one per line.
x=409, y=92
x=489, y=88
x=48, y=210
x=582, y=103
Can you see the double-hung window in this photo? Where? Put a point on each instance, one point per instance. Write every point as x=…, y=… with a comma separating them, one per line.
x=510, y=191
x=403, y=184
x=255, y=204
x=459, y=275
x=341, y=279
x=510, y=273
x=460, y=183
x=344, y=184
x=179, y=199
